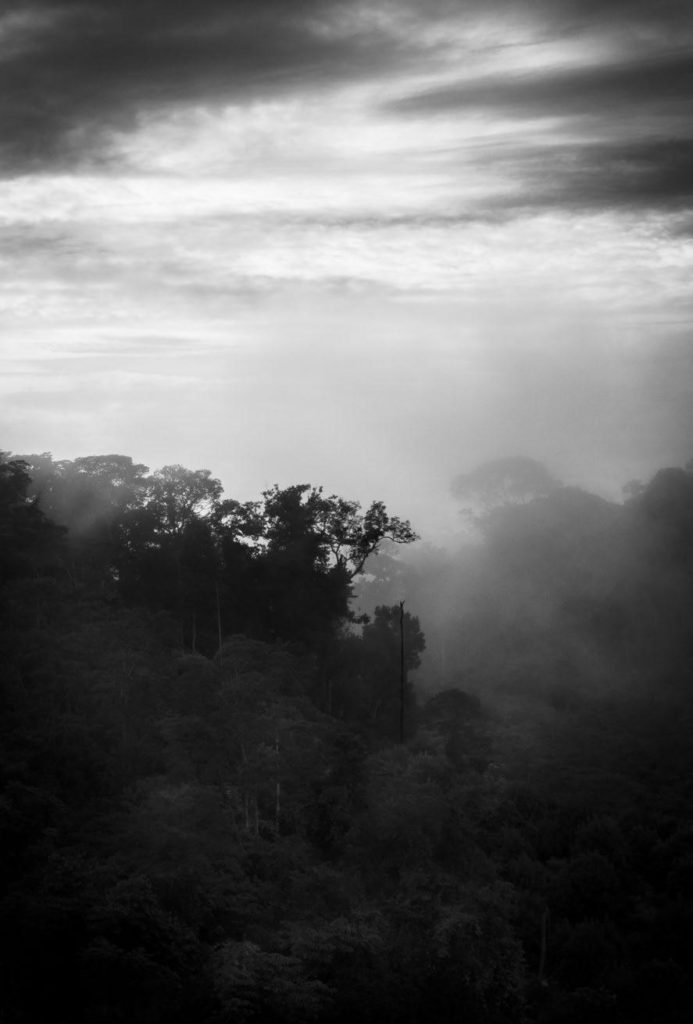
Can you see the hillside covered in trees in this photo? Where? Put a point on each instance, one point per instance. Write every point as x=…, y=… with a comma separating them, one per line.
x=230, y=793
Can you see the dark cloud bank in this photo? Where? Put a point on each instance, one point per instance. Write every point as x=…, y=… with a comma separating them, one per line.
x=629, y=126
x=73, y=71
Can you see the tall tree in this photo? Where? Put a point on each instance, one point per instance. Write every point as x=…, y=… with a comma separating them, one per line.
x=88, y=494
x=30, y=544
x=168, y=552
x=366, y=673
x=513, y=480
x=336, y=531
x=176, y=496
x=311, y=548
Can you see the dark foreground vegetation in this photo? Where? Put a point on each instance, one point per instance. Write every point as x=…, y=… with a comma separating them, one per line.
x=209, y=814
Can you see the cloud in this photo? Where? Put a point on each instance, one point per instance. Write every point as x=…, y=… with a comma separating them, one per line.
x=71, y=73
x=616, y=135
x=253, y=259
x=665, y=16
x=74, y=74
x=654, y=174
x=624, y=85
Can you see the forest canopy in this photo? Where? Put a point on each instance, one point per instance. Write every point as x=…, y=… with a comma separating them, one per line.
x=272, y=761
x=277, y=568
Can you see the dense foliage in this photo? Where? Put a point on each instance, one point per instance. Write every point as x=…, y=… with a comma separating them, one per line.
x=208, y=814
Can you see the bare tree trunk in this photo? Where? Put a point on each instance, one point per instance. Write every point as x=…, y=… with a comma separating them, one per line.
x=402, y=672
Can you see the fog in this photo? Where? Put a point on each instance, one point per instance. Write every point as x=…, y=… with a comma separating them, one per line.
x=371, y=399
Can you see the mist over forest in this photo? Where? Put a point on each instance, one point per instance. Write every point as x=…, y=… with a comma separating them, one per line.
x=284, y=760
x=346, y=511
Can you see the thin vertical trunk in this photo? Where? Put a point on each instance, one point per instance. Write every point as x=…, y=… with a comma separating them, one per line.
x=402, y=672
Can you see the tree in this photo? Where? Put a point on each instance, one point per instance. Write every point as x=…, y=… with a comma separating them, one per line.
x=556, y=539
x=88, y=494
x=167, y=550
x=91, y=497
x=14, y=481
x=335, y=530
x=176, y=496
x=256, y=984
x=309, y=547
x=667, y=505
x=456, y=718
x=513, y=480
x=367, y=683
x=30, y=544
x=353, y=537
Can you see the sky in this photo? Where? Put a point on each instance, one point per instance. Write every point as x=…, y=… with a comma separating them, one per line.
x=362, y=245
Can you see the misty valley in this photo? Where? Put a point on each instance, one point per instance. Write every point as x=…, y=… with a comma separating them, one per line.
x=284, y=761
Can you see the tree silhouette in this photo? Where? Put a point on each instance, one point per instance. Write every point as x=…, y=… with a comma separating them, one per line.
x=514, y=480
